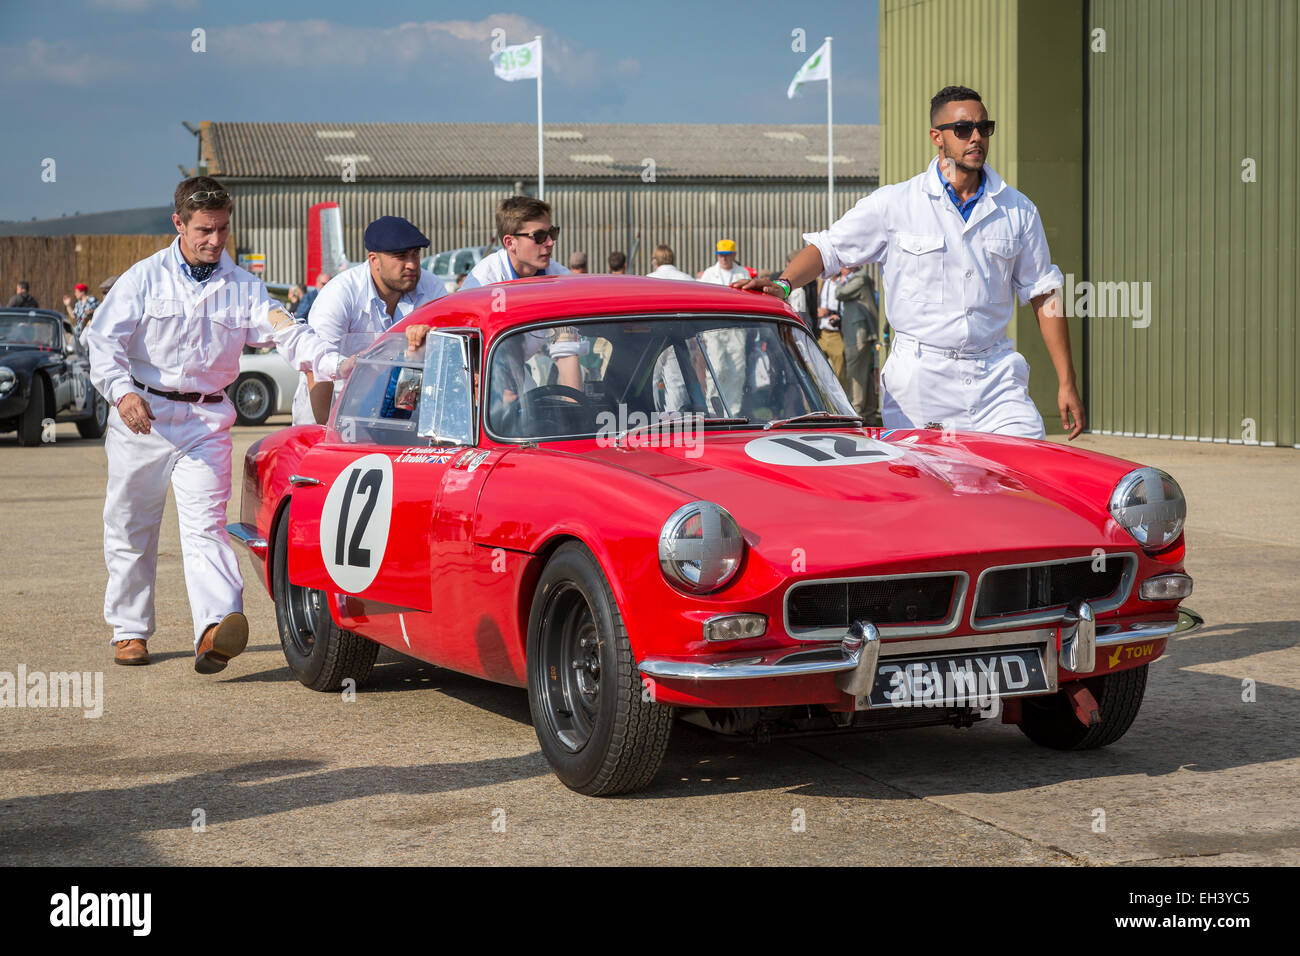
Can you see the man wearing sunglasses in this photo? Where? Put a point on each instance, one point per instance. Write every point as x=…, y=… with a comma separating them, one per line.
x=362, y=302
x=527, y=244
x=957, y=245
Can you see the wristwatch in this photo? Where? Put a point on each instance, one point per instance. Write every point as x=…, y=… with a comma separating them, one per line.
x=785, y=286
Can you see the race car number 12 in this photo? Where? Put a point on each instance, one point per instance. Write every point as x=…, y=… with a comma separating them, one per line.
x=355, y=520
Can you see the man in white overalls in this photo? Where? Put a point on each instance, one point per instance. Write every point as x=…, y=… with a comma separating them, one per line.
x=163, y=348
x=955, y=243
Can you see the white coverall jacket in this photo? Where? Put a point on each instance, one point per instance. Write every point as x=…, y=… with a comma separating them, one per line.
x=497, y=268
x=949, y=288
x=164, y=329
x=349, y=315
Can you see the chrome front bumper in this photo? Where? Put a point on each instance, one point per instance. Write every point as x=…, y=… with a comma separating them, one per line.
x=855, y=658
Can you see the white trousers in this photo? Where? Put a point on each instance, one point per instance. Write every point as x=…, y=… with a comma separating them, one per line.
x=986, y=391
x=188, y=449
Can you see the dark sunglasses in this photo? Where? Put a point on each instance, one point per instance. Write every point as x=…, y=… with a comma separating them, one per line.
x=540, y=235
x=215, y=195
x=963, y=129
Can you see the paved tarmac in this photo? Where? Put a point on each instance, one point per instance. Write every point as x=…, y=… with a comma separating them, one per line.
x=427, y=766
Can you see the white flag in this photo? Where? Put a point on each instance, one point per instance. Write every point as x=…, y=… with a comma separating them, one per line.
x=817, y=68
x=520, y=62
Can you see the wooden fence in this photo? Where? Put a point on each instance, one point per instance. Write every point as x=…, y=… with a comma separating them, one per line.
x=54, y=264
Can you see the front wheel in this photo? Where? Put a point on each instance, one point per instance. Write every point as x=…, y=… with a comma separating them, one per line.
x=596, y=724
x=320, y=653
x=31, y=427
x=97, y=423
x=1050, y=721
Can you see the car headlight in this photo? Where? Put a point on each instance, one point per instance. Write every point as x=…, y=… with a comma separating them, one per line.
x=1150, y=506
x=7, y=380
x=700, y=547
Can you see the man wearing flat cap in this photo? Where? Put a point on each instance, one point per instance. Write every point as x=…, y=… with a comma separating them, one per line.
x=363, y=302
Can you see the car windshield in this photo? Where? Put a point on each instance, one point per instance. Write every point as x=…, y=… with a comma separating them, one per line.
x=581, y=380
x=29, y=330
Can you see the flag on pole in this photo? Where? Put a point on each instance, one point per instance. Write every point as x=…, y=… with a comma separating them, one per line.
x=521, y=62
x=817, y=68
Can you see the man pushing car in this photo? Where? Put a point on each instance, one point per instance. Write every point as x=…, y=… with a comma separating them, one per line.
x=164, y=346
x=955, y=242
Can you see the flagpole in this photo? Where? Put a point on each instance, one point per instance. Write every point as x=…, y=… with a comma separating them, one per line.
x=541, y=174
x=830, y=142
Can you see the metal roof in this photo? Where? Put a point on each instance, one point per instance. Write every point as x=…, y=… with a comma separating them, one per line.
x=574, y=151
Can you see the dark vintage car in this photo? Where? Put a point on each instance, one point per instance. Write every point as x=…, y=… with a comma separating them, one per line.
x=45, y=377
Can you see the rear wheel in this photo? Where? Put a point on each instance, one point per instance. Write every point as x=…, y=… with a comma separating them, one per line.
x=320, y=653
x=30, y=426
x=253, y=396
x=598, y=729
x=97, y=423
x=1050, y=721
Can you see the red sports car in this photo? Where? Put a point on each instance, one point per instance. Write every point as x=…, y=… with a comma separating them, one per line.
x=645, y=499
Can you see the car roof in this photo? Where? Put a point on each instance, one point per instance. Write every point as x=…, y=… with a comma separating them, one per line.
x=504, y=305
x=32, y=313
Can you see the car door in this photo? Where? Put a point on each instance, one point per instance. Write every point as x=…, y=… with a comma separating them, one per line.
x=363, y=506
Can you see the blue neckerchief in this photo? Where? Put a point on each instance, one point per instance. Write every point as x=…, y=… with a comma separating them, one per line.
x=185, y=266
x=962, y=207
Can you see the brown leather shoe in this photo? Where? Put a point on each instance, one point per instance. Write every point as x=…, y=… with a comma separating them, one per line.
x=221, y=642
x=130, y=652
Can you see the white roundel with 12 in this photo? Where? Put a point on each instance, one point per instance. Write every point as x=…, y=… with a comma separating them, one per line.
x=820, y=448
x=354, y=522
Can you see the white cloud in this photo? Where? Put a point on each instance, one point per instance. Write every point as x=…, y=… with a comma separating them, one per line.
x=321, y=44
x=62, y=64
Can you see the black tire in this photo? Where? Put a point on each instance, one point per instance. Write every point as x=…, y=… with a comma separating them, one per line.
x=595, y=726
x=97, y=423
x=254, y=398
x=30, y=426
x=1050, y=721
x=320, y=653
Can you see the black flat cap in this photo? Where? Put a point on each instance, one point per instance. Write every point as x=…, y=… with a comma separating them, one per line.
x=393, y=234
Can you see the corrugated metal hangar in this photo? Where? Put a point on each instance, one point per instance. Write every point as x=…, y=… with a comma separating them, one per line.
x=680, y=184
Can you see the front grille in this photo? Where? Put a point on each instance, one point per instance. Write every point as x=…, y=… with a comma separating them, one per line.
x=884, y=602
x=1043, y=588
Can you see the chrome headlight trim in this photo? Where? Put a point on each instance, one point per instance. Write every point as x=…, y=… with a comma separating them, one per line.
x=7, y=379
x=703, y=564
x=1149, y=505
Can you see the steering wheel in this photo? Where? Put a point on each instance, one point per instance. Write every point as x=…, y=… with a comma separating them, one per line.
x=533, y=395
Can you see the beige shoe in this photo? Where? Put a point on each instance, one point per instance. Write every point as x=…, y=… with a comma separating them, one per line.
x=220, y=643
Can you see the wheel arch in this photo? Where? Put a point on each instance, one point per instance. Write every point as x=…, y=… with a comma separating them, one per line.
x=541, y=557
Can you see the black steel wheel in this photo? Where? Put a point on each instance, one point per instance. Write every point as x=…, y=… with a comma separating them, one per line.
x=254, y=398
x=596, y=725
x=319, y=653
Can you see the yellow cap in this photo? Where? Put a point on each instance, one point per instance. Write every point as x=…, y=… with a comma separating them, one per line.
x=726, y=247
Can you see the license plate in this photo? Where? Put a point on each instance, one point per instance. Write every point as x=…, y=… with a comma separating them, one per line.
x=968, y=679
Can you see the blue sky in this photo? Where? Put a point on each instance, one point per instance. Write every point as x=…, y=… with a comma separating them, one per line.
x=101, y=86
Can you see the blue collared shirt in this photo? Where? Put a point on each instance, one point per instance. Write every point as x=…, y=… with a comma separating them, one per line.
x=185, y=266
x=962, y=207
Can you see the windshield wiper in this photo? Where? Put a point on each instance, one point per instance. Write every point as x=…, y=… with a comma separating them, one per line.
x=812, y=417
x=685, y=421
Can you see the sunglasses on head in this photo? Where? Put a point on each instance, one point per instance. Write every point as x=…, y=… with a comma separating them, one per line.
x=215, y=195
x=963, y=129
x=540, y=235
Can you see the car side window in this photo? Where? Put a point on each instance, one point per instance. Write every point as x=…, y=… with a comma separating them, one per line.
x=464, y=262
